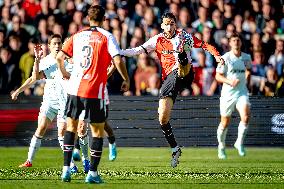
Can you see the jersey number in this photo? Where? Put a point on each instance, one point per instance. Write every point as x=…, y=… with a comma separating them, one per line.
x=87, y=52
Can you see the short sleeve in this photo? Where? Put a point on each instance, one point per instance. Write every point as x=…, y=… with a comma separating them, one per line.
x=113, y=47
x=222, y=68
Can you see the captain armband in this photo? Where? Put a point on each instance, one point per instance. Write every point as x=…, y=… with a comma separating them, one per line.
x=145, y=50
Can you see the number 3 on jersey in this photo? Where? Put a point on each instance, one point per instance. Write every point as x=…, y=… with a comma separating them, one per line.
x=87, y=52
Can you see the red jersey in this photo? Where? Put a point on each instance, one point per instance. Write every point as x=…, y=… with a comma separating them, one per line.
x=92, y=50
x=167, y=49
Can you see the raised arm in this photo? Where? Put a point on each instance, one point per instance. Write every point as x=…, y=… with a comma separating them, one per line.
x=36, y=74
x=38, y=56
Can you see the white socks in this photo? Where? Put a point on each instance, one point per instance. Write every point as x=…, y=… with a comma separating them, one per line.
x=221, y=136
x=242, y=130
x=83, y=142
x=34, y=146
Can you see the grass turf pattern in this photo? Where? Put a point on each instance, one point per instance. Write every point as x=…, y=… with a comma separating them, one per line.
x=150, y=168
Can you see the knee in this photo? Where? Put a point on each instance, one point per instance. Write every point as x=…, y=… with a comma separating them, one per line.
x=163, y=119
x=245, y=119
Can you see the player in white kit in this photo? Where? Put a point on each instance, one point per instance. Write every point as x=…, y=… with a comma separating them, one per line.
x=54, y=98
x=234, y=74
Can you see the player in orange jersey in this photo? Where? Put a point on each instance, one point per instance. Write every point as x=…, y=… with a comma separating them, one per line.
x=92, y=50
x=173, y=50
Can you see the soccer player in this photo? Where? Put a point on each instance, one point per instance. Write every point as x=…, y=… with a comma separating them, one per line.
x=234, y=74
x=173, y=50
x=54, y=98
x=92, y=50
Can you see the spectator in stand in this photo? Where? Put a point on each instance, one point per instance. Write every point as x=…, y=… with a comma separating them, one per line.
x=32, y=8
x=268, y=85
x=44, y=13
x=219, y=28
x=280, y=85
x=277, y=59
x=184, y=19
x=17, y=30
x=72, y=29
x=42, y=31
x=15, y=46
x=146, y=77
x=148, y=22
x=138, y=14
x=258, y=71
x=204, y=82
x=26, y=63
x=78, y=18
x=6, y=19
x=202, y=20
x=10, y=77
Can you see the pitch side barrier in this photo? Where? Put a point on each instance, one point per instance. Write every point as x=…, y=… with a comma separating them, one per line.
x=135, y=123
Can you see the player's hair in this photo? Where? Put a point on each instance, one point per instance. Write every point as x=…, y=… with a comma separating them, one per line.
x=54, y=36
x=96, y=13
x=169, y=15
x=235, y=35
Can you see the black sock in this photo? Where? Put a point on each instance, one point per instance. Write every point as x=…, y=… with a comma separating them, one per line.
x=96, y=153
x=77, y=146
x=111, y=139
x=168, y=133
x=68, y=147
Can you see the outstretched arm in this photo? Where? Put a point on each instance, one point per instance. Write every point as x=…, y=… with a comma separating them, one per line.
x=147, y=47
x=210, y=48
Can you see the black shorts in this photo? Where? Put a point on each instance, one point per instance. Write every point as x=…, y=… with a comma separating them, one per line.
x=172, y=84
x=95, y=109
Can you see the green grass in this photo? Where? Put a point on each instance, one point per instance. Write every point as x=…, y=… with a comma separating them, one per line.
x=150, y=168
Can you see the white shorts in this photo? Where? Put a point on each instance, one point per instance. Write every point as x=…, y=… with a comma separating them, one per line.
x=52, y=109
x=228, y=106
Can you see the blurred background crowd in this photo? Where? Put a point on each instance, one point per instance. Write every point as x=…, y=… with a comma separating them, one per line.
x=25, y=23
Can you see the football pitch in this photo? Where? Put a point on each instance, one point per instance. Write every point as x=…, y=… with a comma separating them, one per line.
x=149, y=168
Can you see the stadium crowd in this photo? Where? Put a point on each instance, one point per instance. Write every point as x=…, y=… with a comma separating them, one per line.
x=25, y=23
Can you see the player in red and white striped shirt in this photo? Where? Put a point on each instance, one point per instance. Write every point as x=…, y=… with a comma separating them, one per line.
x=173, y=50
x=92, y=50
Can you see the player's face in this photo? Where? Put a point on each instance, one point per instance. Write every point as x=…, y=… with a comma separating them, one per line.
x=235, y=43
x=55, y=45
x=169, y=26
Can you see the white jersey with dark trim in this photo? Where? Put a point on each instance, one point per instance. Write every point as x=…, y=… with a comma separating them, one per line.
x=234, y=68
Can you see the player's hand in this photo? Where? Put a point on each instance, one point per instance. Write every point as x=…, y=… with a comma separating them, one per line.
x=66, y=75
x=235, y=82
x=219, y=59
x=38, y=51
x=125, y=85
x=14, y=95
